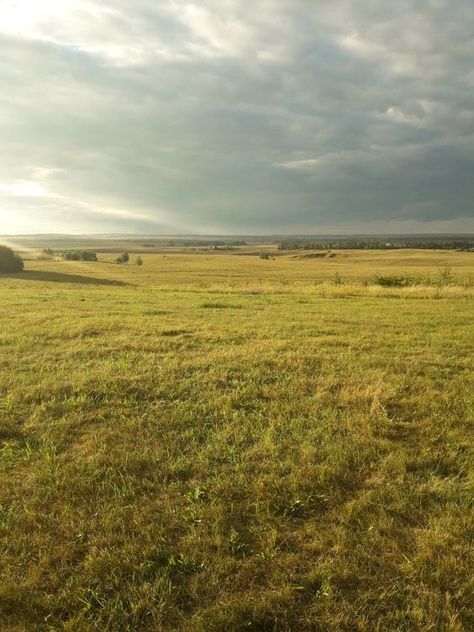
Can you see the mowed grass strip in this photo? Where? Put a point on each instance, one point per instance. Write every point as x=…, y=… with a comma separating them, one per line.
x=204, y=450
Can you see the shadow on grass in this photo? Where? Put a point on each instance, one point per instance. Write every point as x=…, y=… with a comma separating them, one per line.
x=59, y=277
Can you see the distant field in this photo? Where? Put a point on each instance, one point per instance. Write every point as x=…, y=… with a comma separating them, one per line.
x=229, y=270
x=214, y=442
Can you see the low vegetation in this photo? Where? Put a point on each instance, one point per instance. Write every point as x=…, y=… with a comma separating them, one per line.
x=219, y=443
x=394, y=281
x=78, y=255
x=9, y=261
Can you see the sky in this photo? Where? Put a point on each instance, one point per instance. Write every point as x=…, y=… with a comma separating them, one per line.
x=236, y=117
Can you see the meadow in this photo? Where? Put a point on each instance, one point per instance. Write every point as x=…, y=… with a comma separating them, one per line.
x=217, y=442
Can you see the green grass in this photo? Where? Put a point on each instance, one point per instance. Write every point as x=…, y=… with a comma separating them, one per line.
x=223, y=443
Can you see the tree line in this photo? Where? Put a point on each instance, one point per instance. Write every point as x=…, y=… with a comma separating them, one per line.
x=377, y=244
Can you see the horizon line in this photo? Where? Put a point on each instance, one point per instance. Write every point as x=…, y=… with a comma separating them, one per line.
x=205, y=236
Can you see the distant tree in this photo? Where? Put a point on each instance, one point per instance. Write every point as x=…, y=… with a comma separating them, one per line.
x=79, y=255
x=46, y=254
x=9, y=261
x=88, y=255
x=123, y=258
x=139, y=261
x=373, y=243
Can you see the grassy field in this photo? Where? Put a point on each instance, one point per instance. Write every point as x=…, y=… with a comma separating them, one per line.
x=223, y=443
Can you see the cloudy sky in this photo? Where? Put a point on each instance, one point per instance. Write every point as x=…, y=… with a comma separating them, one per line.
x=231, y=116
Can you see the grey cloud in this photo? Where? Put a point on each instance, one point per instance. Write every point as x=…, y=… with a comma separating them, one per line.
x=211, y=117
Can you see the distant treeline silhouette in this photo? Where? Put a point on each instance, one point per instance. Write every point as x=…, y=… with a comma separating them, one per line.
x=377, y=244
x=79, y=255
x=173, y=243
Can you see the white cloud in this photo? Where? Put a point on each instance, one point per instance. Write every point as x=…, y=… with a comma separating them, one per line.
x=23, y=189
x=356, y=44
x=28, y=18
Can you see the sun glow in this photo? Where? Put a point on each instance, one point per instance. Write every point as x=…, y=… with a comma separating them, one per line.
x=24, y=16
x=23, y=188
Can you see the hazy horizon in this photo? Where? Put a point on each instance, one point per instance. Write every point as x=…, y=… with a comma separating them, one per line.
x=263, y=235
x=180, y=118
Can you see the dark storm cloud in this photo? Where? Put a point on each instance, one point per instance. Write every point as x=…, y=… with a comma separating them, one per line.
x=175, y=116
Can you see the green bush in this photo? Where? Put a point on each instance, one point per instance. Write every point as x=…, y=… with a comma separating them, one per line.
x=79, y=255
x=9, y=261
x=394, y=281
x=445, y=277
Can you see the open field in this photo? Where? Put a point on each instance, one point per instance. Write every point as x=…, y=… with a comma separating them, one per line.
x=215, y=442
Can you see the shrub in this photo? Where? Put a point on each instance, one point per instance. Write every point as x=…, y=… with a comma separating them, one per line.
x=139, y=261
x=445, y=277
x=394, y=281
x=87, y=255
x=79, y=255
x=123, y=258
x=9, y=261
x=264, y=255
